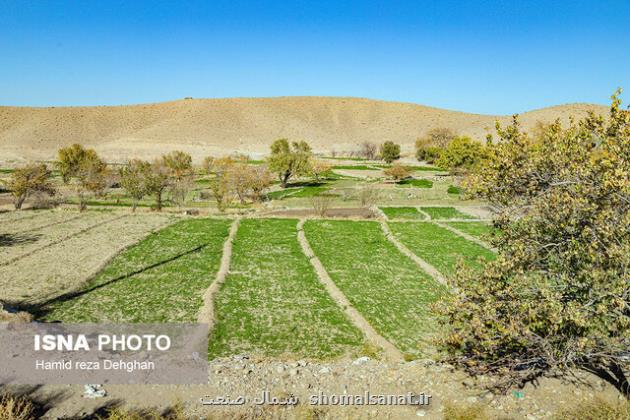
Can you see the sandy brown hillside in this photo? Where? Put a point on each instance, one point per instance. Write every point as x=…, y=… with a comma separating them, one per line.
x=222, y=126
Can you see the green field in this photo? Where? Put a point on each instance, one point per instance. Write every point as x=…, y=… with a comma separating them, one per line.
x=391, y=292
x=445, y=213
x=480, y=230
x=272, y=302
x=418, y=183
x=161, y=279
x=439, y=246
x=403, y=213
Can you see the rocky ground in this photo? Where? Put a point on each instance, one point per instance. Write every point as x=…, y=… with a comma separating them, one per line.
x=248, y=377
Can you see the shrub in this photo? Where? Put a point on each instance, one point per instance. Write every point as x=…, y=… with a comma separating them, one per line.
x=558, y=295
x=390, y=151
x=462, y=154
x=397, y=172
x=15, y=408
x=29, y=180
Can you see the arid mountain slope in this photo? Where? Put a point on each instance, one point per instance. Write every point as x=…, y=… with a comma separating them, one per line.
x=247, y=125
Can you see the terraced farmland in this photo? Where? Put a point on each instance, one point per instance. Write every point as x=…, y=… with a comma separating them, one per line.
x=386, y=287
x=272, y=302
x=160, y=279
x=439, y=246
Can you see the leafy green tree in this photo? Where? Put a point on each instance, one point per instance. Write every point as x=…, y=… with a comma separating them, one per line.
x=133, y=179
x=462, y=154
x=157, y=181
x=84, y=169
x=28, y=180
x=558, y=294
x=390, y=151
x=288, y=160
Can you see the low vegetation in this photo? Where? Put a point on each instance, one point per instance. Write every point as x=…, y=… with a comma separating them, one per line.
x=480, y=230
x=440, y=247
x=402, y=213
x=391, y=292
x=161, y=279
x=272, y=302
x=445, y=213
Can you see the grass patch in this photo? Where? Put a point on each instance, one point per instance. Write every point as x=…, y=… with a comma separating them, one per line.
x=452, y=189
x=481, y=230
x=402, y=213
x=160, y=279
x=355, y=167
x=439, y=247
x=445, y=213
x=418, y=183
x=272, y=302
x=385, y=286
x=298, y=192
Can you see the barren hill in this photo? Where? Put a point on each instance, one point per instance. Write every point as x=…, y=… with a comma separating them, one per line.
x=248, y=125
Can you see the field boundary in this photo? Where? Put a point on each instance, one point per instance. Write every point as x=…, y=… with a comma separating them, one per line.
x=424, y=213
x=58, y=241
x=206, y=313
x=465, y=236
x=391, y=352
x=425, y=266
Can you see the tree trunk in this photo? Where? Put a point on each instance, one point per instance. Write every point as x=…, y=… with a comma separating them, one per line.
x=158, y=201
x=19, y=201
x=133, y=208
x=284, y=181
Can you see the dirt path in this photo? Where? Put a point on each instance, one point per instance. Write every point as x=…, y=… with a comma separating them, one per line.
x=206, y=314
x=428, y=268
x=424, y=213
x=466, y=236
x=390, y=352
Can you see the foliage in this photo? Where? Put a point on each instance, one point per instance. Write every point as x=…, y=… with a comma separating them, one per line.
x=462, y=154
x=397, y=172
x=157, y=181
x=16, y=408
x=28, y=180
x=180, y=173
x=430, y=146
x=319, y=169
x=133, y=179
x=390, y=151
x=86, y=168
x=558, y=295
x=287, y=160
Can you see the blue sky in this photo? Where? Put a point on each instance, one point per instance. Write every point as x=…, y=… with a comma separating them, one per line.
x=491, y=57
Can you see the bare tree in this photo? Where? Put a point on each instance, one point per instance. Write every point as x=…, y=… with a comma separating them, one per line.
x=368, y=150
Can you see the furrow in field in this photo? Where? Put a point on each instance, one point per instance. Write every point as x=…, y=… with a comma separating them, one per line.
x=385, y=286
x=391, y=352
x=66, y=266
x=160, y=279
x=272, y=303
x=37, y=220
x=439, y=246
